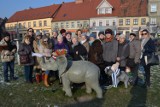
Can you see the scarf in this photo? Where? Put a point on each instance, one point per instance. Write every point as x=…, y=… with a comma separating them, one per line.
x=143, y=43
x=83, y=41
x=73, y=45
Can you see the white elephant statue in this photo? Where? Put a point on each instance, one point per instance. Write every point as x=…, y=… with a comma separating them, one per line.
x=79, y=72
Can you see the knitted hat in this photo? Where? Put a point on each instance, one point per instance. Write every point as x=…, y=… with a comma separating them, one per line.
x=92, y=35
x=108, y=31
x=101, y=32
x=122, y=36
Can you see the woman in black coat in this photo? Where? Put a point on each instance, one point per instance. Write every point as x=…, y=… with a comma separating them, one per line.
x=79, y=52
x=148, y=48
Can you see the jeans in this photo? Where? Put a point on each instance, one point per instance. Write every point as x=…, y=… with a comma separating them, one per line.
x=134, y=71
x=7, y=65
x=28, y=70
x=147, y=75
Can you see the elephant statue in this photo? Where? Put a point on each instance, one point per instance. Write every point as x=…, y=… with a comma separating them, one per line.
x=78, y=72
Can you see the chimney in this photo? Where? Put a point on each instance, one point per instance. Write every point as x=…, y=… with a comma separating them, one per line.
x=79, y=1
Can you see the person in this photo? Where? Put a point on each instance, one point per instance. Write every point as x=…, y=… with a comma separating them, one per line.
x=63, y=33
x=148, y=47
x=117, y=36
x=79, y=34
x=101, y=36
x=69, y=41
x=123, y=51
x=110, y=50
x=36, y=44
x=95, y=50
x=53, y=38
x=25, y=49
x=84, y=41
x=45, y=49
x=61, y=45
x=30, y=32
x=79, y=52
x=134, y=57
x=7, y=57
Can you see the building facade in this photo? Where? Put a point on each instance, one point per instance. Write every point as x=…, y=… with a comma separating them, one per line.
x=37, y=18
x=154, y=16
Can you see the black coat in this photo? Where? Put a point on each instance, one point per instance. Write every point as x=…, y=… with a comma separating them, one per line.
x=81, y=52
x=148, y=48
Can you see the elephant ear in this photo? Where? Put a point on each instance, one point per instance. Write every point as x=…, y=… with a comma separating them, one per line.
x=62, y=64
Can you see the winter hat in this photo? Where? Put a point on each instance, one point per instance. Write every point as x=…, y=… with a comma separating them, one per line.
x=133, y=34
x=5, y=34
x=101, y=32
x=44, y=37
x=122, y=36
x=92, y=35
x=38, y=33
x=115, y=66
x=108, y=31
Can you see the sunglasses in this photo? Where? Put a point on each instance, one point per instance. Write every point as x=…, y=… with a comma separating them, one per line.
x=45, y=41
x=144, y=33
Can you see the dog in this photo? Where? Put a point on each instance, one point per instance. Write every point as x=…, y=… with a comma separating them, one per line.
x=120, y=76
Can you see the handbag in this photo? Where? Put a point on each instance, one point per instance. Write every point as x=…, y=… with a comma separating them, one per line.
x=130, y=62
x=151, y=59
x=24, y=59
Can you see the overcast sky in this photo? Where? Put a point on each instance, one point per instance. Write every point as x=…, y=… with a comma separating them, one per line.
x=9, y=7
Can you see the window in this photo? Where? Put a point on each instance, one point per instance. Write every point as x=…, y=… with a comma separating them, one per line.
x=100, y=23
x=56, y=25
x=114, y=23
x=45, y=23
x=20, y=25
x=62, y=25
x=11, y=26
x=153, y=8
x=153, y=20
x=29, y=24
x=104, y=10
x=40, y=23
x=120, y=22
x=34, y=24
x=127, y=21
x=143, y=21
x=135, y=21
x=78, y=24
x=72, y=24
x=107, y=22
x=15, y=26
x=94, y=24
x=85, y=23
x=67, y=25
x=24, y=24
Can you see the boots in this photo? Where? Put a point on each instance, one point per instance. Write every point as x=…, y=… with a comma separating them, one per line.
x=46, y=80
x=37, y=77
x=43, y=76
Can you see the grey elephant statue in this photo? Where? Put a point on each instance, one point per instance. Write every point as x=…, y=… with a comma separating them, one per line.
x=78, y=72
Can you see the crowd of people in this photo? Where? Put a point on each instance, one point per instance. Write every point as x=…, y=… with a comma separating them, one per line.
x=104, y=50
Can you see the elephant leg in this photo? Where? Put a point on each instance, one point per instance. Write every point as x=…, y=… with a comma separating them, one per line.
x=66, y=86
x=95, y=86
x=88, y=89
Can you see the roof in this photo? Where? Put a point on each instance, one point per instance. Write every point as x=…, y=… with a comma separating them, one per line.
x=84, y=11
x=34, y=13
x=133, y=8
x=87, y=9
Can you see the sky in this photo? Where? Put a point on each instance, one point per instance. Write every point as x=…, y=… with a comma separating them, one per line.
x=9, y=7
